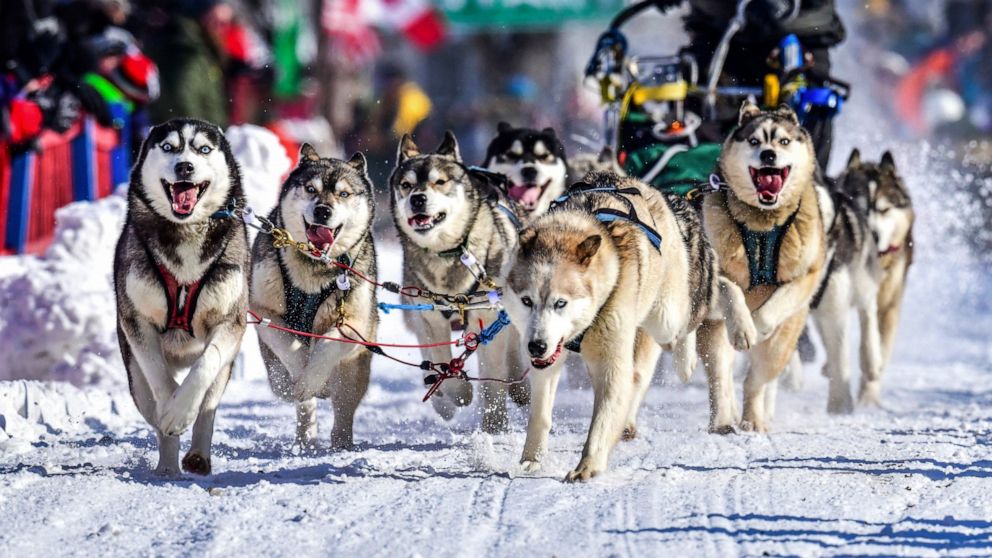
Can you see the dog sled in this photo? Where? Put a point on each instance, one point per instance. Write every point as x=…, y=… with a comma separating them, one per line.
x=665, y=122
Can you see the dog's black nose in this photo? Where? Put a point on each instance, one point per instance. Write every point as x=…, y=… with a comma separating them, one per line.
x=529, y=174
x=768, y=157
x=537, y=348
x=418, y=202
x=321, y=214
x=184, y=170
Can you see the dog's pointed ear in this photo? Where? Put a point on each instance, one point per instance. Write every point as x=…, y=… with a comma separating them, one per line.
x=854, y=160
x=359, y=163
x=449, y=146
x=587, y=249
x=785, y=111
x=308, y=153
x=503, y=127
x=407, y=149
x=606, y=155
x=550, y=132
x=748, y=111
x=527, y=238
x=888, y=162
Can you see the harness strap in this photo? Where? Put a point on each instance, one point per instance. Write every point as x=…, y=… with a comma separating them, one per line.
x=301, y=306
x=762, y=249
x=607, y=215
x=181, y=299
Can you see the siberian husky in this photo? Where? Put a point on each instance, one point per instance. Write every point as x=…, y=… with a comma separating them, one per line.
x=613, y=271
x=443, y=214
x=533, y=160
x=767, y=229
x=878, y=191
x=181, y=280
x=331, y=203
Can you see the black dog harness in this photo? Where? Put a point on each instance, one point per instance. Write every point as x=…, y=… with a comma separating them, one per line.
x=762, y=249
x=301, y=306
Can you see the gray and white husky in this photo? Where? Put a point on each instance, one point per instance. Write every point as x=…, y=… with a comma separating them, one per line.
x=878, y=192
x=181, y=280
x=331, y=204
x=442, y=213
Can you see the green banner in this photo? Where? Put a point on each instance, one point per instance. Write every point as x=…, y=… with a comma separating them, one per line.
x=525, y=13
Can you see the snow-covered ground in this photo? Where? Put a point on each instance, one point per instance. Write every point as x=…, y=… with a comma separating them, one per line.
x=912, y=478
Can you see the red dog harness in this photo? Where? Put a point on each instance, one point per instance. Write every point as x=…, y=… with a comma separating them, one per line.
x=181, y=299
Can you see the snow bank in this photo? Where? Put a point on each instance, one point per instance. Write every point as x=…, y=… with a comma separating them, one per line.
x=29, y=410
x=58, y=320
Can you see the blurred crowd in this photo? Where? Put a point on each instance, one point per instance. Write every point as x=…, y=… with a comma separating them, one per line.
x=933, y=61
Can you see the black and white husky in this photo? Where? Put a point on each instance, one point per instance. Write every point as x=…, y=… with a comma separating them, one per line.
x=181, y=279
x=534, y=162
x=331, y=204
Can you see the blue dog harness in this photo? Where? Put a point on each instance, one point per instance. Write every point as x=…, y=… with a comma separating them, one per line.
x=762, y=249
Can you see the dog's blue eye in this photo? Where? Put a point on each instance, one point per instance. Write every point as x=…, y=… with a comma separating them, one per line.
x=166, y=147
x=311, y=190
x=560, y=303
x=753, y=141
x=344, y=194
x=205, y=149
x=784, y=141
x=526, y=301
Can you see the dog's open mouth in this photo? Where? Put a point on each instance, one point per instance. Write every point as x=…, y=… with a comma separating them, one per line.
x=889, y=250
x=528, y=194
x=422, y=222
x=540, y=363
x=768, y=182
x=184, y=195
x=320, y=236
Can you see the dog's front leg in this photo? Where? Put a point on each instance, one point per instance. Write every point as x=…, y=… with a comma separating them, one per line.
x=185, y=403
x=787, y=299
x=431, y=328
x=494, y=364
x=290, y=351
x=871, y=352
x=611, y=369
x=732, y=307
x=543, y=386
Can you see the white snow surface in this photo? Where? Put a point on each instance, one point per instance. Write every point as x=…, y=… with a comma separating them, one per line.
x=911, y=478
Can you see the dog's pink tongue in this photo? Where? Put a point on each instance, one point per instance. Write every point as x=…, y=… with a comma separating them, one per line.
x=184, y=198
x=771, y=183
x=321, y=237
x=526, y=195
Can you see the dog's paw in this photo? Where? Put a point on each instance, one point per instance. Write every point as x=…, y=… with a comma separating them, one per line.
x=530, y=466
x=629, y=432
x=723, y=429
x=520, y=393
x=840, y=404
x=743, y=334
x=196, y=464
x=583, y=472
x=870, y=394
x=444, y=406
x=178, y=415
x=460, y=393
x=306, y=446
x=167, y=470
x=495, y=422
x=762, y=329
x=342, y=441
x=754, y=425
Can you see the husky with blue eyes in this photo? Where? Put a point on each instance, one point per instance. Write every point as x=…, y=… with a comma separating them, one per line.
x=331, y=204
x=617, y=272
x=181, y=279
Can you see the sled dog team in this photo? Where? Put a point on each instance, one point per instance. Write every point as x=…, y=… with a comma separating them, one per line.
x=608, y=267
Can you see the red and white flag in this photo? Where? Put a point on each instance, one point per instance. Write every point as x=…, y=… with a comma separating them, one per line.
x=350, y=23
x=350, y=29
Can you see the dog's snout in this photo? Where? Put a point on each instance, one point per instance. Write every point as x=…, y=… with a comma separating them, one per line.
x=184, y=170
x=322, y=213
x=537, y=347
x=528, y=173
x=418, y=202
x=768, y=157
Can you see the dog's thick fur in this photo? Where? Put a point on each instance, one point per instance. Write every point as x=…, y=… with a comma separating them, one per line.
x=878, y=191
x=760, y=196
x=576, y=277
x=331, y=203
x=439, y=208
x=185, y=173
x=534, y=161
